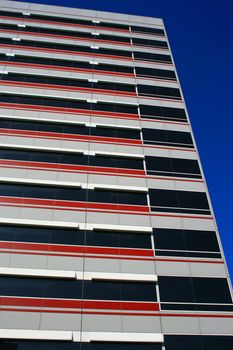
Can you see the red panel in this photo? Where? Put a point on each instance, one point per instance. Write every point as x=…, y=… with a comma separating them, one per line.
x=69, y=110
x=71, y=137
x=71, y=205
x=69, y=69
x=68, y=88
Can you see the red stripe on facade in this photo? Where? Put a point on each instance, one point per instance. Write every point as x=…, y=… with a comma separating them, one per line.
x=68, y=110
x=70, y=168
x=68, y=88
x=64, y=24
x=67, y=52
x=74, y=249
x=79, y=304
x=68, y=37
x=71, y=205
x=119, y=257
x=71, y=137
x=63, y=68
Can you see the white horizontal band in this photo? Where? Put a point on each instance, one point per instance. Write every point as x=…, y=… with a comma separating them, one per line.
x=78, y=275
x=73, y=150
x=45, y=223
x=123, y=228
x=81, y=336
x=120, y=337
x=35, y=334
x=38, y=272
x=120, y=276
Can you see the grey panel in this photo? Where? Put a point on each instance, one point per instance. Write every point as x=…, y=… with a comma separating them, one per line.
x=141, y=324
x=60, y=322
x=101, y=323
x=180, y=325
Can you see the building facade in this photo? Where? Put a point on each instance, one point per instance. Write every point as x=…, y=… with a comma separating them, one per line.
x=108, y=238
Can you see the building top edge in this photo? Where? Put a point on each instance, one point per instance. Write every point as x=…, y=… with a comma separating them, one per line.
x=82, y=13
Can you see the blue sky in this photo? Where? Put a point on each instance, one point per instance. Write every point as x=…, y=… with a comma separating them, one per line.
x=200, y=34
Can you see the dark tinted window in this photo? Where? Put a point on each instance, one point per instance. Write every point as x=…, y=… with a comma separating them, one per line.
x=66, y=63
x=74, y=236
x=64, y=32
x=86, y=84
x=10, y=344
x=186, y=201
x=137, y=29
x=149, y=42
x=152, y=57
x=65, y=103
x=153, y=72
x=172, y=167
x=65, y=20
x=167, y=113
x=72, y=194
x=183, y=342
x=217, y=342
x=72, y=289
x=188, y=243
x=195, y=289
x=167, y=137
x=71, y=158
x=186, y=239
x=41, y=287
x=66, y=47
x=132, y=291
x=158, y=91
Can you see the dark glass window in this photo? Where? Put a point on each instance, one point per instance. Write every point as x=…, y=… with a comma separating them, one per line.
x=149, y=42
x=195, y=289
x=74, y=237
x=154, y=72
x=159, y=91
x=64, y=32
x=166, y=113
x=172, y=167
x=9, y=344
x=154, y=57
x=183, y=342
x=132, y=291
x=66, y=47
x=65, y=103
x=72, y=289
x=71, y=158
x=167, y=138
x=217, y=342
x=41, y=287
x=179, y=201
x=73, y=194
x=137, y=29
x=65, y=20
x=177, y=242
x=40, y=79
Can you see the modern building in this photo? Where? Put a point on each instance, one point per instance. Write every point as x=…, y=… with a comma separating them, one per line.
x=108, y=238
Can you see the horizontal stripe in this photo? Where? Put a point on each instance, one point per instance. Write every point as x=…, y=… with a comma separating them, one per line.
x=70, y=137
x=71, y=205
x=67, y=52
x=69, y=167
x=69, y=69
x=151, y=314
x=72, y=38
x=68, y=110
x=79, y=304
x=75, y=249
x=120, y=257
x=66, y=24
x=68, y=88
x=7, y=163
x=91, y=207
